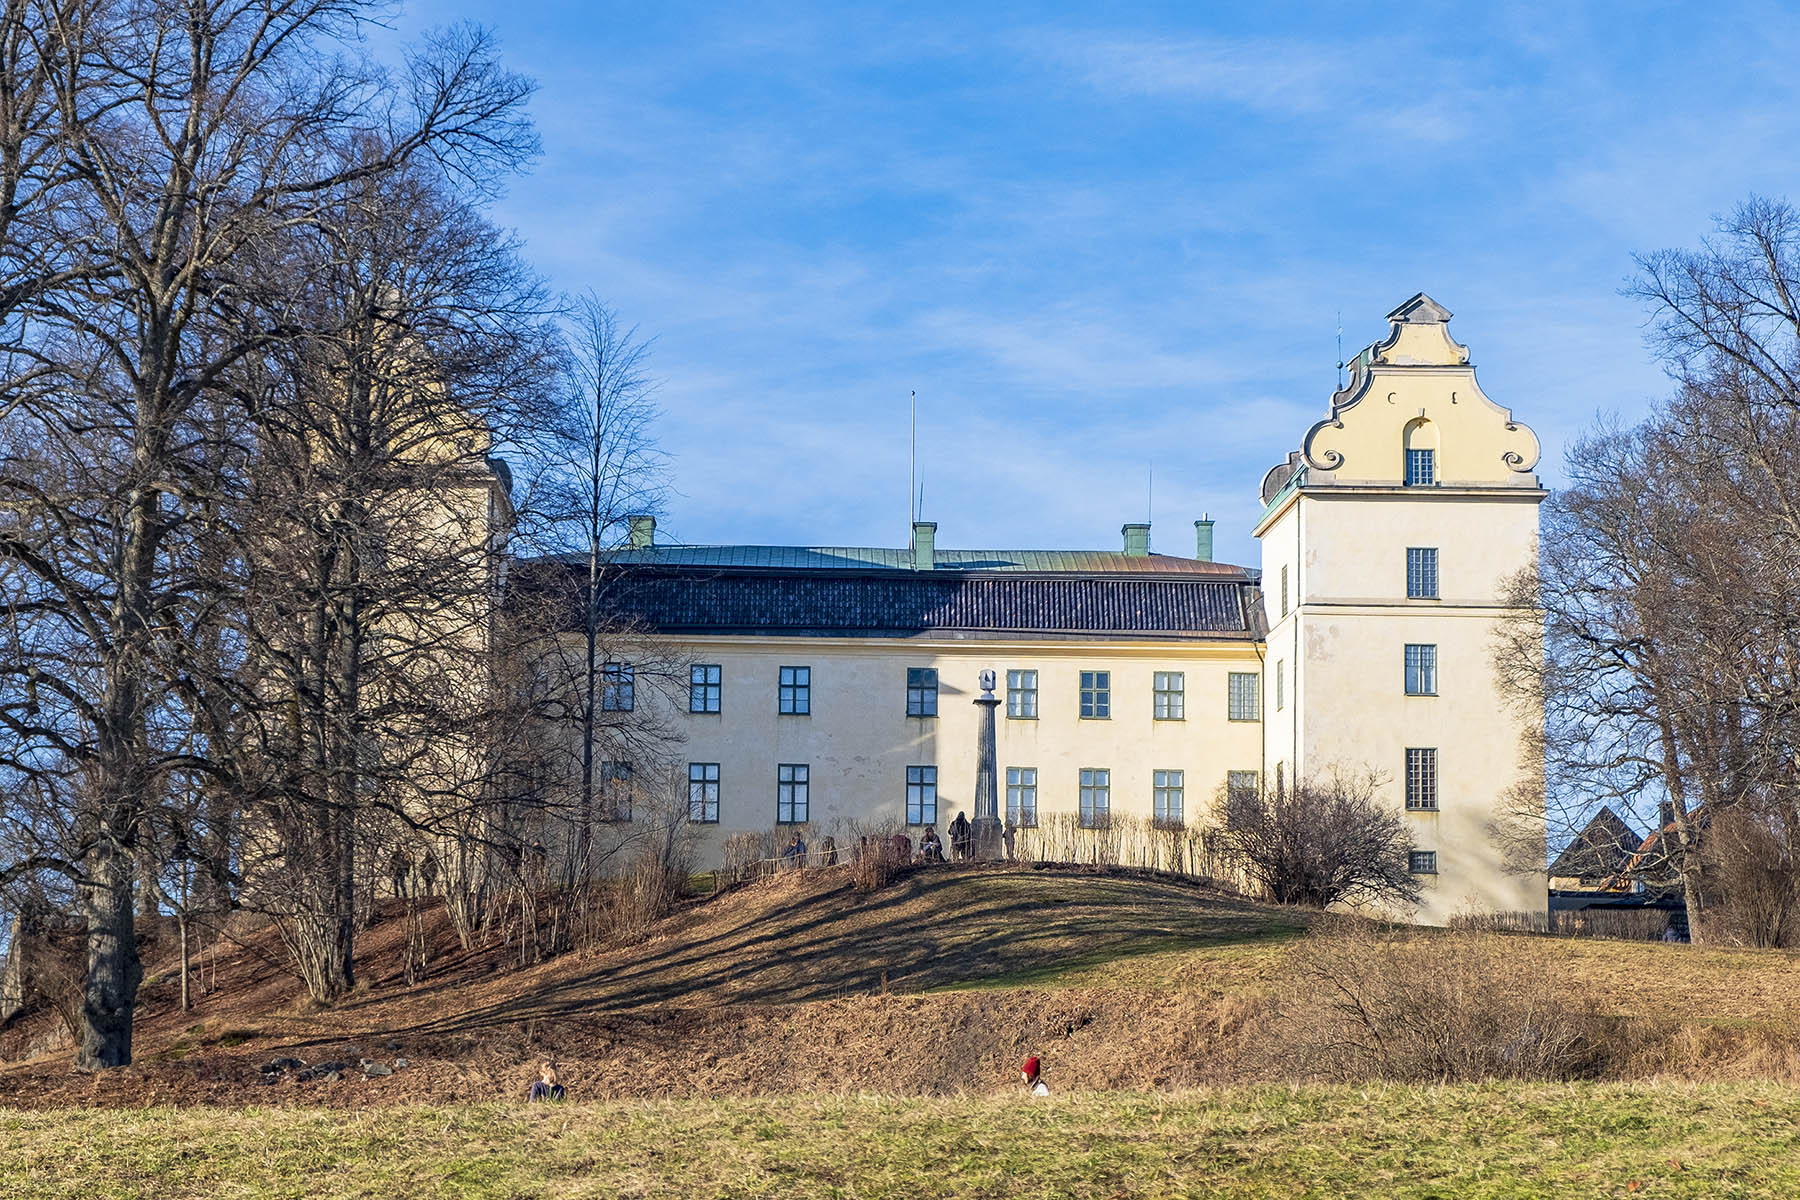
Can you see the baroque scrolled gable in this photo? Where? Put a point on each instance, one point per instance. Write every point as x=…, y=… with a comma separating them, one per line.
x=1416, y=390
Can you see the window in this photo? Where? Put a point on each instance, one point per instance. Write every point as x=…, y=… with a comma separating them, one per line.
x=1284, y=594
x=1021, y=796
x=1096, y=797
x=795, y=691
x=703, y=792
x=704, y=687
x=1240, y=786
x=1421, y=468
x=616, y=690
x=1421, y=573
x=1169, y=696
x=1280, y=780
x=1096, y=695
x=1021, y=695
x=1421, y=670
x=793, y=794
x=921, y=692
x=1240, y=699
x=1421, y=780
x=1280, y=686
x=921, y=795
x=615, y=791
x=1422, y=862
x=1166, y=797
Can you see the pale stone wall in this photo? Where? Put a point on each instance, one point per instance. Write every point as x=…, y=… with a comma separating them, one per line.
x=1343, y=536
x=858, y=740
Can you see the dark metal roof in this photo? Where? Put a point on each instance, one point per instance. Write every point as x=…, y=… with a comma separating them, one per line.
x=883, y=558
x=798, y=604
x=895, y=603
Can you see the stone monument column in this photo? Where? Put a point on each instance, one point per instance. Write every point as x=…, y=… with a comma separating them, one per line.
x=984, y=834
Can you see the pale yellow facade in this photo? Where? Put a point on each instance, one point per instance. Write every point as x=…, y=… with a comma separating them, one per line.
x=858, y=741
x=1338, y=527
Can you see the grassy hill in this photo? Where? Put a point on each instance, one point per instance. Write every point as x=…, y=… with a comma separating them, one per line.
x=796, y=1038
x=939, y=984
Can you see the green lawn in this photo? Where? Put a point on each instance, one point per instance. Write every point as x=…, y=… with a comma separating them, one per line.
x=1663, y=1140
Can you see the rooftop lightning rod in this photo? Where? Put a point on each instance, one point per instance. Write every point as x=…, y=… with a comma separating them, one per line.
x=1340, y=319
x=1150, y=500
x=912, y=460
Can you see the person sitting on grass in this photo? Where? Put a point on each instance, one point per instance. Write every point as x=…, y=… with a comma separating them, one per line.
x=1034, y=1078
x=930, y=847
x=547, y=1087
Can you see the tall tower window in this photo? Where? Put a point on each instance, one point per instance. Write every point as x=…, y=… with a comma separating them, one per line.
x=1421, y=453
x=1421, y=779
x=1284, y=591
x=1421, y=468
x=1421, y=573
x=1421, y=670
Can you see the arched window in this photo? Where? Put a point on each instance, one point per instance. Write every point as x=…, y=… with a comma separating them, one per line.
x=1420, y=444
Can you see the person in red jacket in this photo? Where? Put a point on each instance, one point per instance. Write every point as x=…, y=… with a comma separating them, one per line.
x=1034, y=1077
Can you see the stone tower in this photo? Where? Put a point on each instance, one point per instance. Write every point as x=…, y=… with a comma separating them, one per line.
x=1387, y=542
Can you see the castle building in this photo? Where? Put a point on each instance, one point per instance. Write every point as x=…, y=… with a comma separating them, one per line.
x=830, y=689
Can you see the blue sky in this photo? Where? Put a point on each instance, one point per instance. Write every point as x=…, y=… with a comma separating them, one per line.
x=1093, y=237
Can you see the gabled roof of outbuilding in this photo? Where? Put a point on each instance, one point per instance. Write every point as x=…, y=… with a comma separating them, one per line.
x=1603, y=847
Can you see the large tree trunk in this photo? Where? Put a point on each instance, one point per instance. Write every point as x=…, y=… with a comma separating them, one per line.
x=113, y=968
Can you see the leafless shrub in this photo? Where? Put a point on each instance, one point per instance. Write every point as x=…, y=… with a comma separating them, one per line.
x=747, y=856
x=1320, y=842
x=1498, y=922
x=1752, y=856
x=1618, y=924
x=1366, y=1001
x=874, y=861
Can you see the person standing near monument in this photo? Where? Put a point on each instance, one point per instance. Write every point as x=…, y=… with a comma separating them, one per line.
x=959, y=838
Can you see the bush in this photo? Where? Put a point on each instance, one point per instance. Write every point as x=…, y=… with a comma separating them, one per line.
x=1319, y=843
x=747, y=856
x=873, y=864
x=1366, y=1001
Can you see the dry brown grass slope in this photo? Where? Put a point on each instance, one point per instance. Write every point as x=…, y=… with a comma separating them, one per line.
x=938, y=984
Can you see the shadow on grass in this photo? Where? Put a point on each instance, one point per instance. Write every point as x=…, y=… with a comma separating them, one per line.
x=812, y=937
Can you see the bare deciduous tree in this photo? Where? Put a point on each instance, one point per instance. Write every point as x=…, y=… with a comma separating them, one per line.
x=160, y=154
x=1669, y=575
